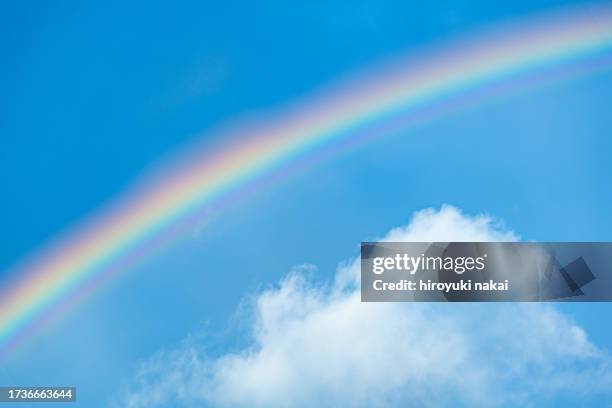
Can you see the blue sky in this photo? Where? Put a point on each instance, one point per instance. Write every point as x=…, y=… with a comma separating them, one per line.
x=96, y=94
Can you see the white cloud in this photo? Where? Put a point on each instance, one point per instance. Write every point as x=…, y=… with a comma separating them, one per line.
x=318, y=345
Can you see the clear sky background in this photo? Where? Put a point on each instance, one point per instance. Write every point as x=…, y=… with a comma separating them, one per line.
x=94, y=95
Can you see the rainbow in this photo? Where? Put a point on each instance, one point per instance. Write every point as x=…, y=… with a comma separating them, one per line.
x=85, y=257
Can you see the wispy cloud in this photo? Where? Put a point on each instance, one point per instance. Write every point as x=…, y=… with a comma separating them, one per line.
x=316, y=344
